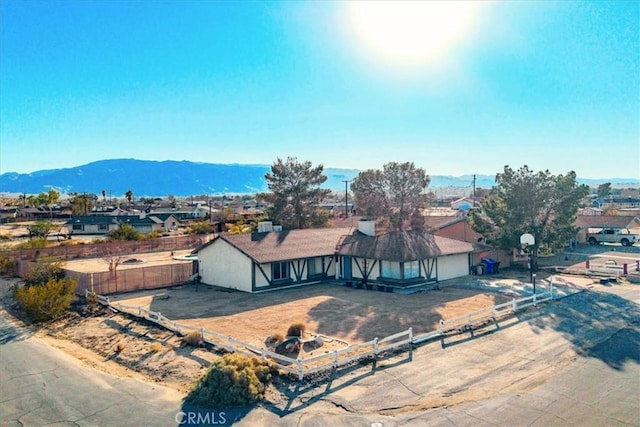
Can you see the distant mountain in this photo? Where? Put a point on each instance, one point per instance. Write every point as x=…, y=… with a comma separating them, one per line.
x=183, y=178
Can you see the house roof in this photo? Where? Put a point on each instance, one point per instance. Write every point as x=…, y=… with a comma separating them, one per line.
x=402, y=246
x=439, y=222
x=607, y=221
x=287, y=245
x=108, y=219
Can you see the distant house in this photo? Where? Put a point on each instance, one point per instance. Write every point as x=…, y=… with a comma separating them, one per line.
x=458, y=228
x=463, y=203
x=189, y=213
x=585, y=223
x=616, y=202
x=103, y=224
x=169, y=221
x=270, y=260
x=8, y=213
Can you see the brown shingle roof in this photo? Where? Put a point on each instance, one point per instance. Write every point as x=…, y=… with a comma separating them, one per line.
x=287, y=245
x=604, y=221
x=403, y=246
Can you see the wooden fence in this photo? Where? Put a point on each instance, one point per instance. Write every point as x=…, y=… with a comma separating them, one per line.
x=337, y=358
x=95, y=250
x=134, y=279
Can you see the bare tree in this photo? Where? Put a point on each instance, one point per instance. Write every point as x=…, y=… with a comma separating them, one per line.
x=113, y=256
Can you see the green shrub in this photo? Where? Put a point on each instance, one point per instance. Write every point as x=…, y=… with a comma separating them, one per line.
x=296, y=330
x=233, y=380
x=125, y=232
x=35, y=243
x=8, y=266
x=46, y=301
x=201, y=227
x=155, y=234
x=44, y=270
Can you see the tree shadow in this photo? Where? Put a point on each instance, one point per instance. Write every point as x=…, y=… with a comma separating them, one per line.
x=597, y=324
x=299, y=395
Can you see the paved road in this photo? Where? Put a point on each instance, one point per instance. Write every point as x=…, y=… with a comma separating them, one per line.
x=40, y=385
x=573, y=362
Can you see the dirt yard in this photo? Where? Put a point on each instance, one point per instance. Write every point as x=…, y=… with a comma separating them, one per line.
x=353, y=315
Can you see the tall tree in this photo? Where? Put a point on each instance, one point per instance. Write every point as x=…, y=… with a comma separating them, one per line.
x=129, y=197
x=296, y=193
x=82, y=203
x=604, y=189
x=522, y=201
x=396, y=192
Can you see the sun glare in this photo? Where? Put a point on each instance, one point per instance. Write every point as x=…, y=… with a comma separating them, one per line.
x=411, y=32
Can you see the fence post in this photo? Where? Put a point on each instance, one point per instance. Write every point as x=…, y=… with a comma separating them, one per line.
x=202, y=333
x=335, y=359
x=410, y=336
x=159, y=317
x=300, y=370
x=625, y=271
x=441, y=326
x=534, y=300
x=86, y=293
x=262, y=354
x=139, y=311
x=587, y=264
x=513, y=305
x=551, y=289
x=375, y=347
x=108, y=301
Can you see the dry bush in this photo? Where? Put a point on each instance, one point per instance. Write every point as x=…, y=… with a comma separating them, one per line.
x=46, y=301
x=296, y=330
x=8, y=266
x=193, y=338
x=273, y=340
x=156, y=347
x=119, y=348
x=91, y=299
x=233, y=380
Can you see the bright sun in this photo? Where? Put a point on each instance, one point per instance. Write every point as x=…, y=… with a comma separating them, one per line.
x=411, y=32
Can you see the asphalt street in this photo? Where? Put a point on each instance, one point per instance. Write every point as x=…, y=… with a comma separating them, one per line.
x=41, y=385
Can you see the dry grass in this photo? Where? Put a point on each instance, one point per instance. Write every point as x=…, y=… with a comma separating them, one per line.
x=156, y=347
x=296, y=330
x=193, y=339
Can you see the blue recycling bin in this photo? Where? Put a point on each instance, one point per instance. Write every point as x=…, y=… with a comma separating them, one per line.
x=491, y=266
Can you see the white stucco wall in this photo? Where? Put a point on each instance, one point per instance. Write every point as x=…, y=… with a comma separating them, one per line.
x=452, y=266
x=223, y=265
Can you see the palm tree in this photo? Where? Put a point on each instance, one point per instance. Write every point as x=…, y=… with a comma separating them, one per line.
x=129, y=196
x=104, y=198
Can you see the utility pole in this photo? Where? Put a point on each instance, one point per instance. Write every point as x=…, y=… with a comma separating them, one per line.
x=474, y=190
x=346, y=197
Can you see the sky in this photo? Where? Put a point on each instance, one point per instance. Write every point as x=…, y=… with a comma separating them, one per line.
x=455, y=87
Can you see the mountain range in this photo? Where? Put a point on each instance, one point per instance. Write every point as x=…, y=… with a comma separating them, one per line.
x=185, y=178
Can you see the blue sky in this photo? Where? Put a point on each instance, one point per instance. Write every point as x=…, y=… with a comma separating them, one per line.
x=456, y=89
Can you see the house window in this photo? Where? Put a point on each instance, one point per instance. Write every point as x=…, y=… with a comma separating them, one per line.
x=280, y=270
x=78, y=227
x=103, y=227
x=411, y=269
x=313, y=266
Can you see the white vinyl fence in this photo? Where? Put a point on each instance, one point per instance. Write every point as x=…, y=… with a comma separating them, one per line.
x=333, y=360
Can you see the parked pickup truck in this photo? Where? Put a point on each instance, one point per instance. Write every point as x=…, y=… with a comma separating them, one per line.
x=611, y=235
